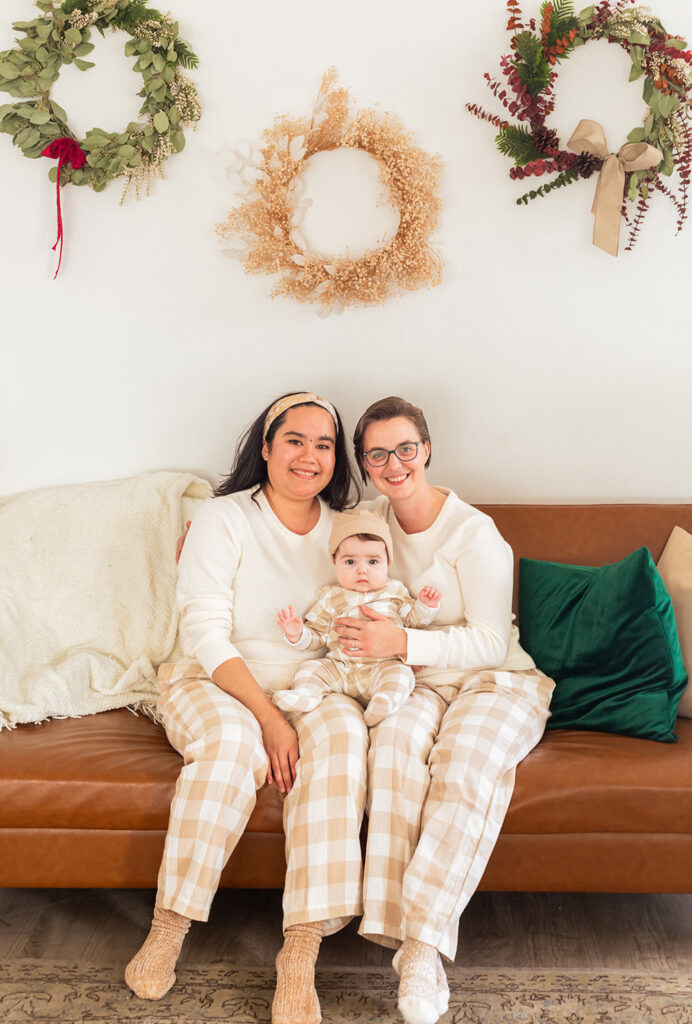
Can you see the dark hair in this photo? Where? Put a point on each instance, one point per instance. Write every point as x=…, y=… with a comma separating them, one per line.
x=249, y=469
x=387, y=409
x=364, y=537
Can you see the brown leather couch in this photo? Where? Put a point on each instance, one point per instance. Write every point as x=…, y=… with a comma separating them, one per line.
x=84, y=802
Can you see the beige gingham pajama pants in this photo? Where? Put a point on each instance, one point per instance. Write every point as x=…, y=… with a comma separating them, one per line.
x=440, y=781
x=389, y=678
x=225, y=764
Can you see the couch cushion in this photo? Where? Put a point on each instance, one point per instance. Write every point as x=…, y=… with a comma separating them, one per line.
x=117, y=771
x=113, y=770
x=608, y=638
x=576, y=781
x=675, y=567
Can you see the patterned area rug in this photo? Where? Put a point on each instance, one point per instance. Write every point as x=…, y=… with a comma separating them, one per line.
x=66, y=993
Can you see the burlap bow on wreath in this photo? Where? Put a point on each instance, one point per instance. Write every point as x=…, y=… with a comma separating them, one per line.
x=589, y=137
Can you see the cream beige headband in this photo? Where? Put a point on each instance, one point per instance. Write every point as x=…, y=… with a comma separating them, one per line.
x=302, y=398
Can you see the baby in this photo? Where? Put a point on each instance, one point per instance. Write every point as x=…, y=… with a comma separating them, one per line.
x=360, y=546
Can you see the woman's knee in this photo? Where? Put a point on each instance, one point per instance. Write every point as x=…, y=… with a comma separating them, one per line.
x=334, y=728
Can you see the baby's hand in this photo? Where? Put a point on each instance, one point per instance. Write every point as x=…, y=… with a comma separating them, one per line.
x=430, y=596
x=291, y=624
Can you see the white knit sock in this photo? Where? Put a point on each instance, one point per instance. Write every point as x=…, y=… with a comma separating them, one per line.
x=442, y=987
x=416, y=964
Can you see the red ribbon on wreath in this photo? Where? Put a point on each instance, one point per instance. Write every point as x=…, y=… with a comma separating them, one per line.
x=68, y=151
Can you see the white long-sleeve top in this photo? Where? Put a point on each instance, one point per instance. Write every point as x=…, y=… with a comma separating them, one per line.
x=466, y=558
x=239, y=565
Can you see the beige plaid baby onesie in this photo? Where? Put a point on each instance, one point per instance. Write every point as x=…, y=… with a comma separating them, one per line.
x=381, y=685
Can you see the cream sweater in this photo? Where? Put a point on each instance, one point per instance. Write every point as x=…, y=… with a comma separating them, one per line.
x=464, y=556
x=238, y=567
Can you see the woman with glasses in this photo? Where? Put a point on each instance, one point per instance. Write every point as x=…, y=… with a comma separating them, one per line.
x=441, y=769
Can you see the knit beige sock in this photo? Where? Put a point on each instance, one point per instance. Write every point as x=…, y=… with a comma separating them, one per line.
x=416, y=963
x=295, y=1000
x=151, y=972
x=442, y=988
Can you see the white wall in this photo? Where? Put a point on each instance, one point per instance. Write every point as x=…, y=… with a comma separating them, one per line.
x=548, y=370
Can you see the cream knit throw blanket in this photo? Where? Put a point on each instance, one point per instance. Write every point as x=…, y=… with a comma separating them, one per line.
x=87, y=594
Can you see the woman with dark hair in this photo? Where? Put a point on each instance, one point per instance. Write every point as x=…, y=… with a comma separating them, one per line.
x=259, y=544
x=441, y=769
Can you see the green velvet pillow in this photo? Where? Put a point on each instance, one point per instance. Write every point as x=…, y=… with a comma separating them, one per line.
x=607, y=636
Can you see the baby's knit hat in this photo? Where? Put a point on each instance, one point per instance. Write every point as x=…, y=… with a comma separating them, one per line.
x=348, y=524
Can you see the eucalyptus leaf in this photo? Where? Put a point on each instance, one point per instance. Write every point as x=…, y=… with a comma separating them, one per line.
x=178, y=141
x=40, y=117
x=135, y=160
x=83, y=65
x=636, y=135
x=98, y=186
x=73, y=36
x=174, y=115
x=130, y=48
x=677, y=44
x=22, y=136
x=648, y=90
x=31, y=139
x=638, y=39
x=42, y=55
x=169, y=74
x=83, y=49
x=585, y=16
x=636, y=71
x=44, y=29
x=663, y=104
x=159, y=61
x=668, y=165
x=8, y=70
x=161, y=122
x=126, y=151
x=58, y=111
x=53, y=174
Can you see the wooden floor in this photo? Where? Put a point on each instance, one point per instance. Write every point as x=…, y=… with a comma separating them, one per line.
x=497, y=930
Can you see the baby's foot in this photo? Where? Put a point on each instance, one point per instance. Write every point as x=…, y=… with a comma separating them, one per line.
x=381, y=705
x=295, y=700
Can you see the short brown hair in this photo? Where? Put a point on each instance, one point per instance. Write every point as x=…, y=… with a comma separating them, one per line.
x=388, y=409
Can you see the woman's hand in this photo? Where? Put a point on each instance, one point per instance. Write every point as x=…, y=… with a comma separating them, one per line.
x=380, y=638
x=281, y=744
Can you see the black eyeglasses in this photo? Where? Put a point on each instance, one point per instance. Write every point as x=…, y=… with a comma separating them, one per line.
x=378, y=457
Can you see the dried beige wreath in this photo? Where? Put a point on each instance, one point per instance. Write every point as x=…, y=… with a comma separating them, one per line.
x=264, y=232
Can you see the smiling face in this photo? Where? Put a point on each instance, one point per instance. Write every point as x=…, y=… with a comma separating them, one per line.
x=300, y=455
x=397, y=479
x=361, y=564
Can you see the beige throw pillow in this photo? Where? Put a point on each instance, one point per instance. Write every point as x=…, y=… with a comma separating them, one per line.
x=675, y=567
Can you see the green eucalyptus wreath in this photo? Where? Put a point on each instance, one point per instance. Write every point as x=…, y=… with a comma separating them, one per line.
x=61, y=36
